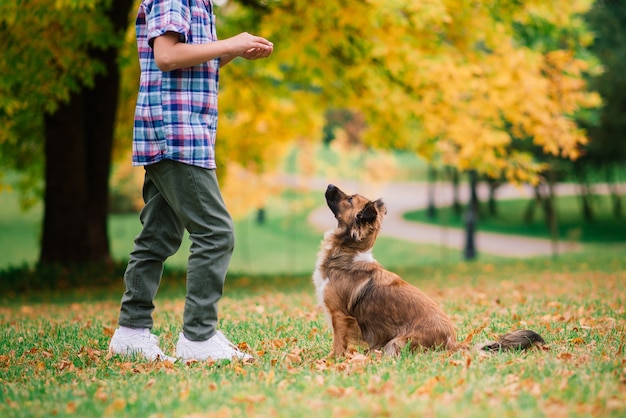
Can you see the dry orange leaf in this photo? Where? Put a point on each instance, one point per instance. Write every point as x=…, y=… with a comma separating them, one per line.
x=116, y=406
x=428, y=386
x=252, y=399
x=71, y=407
x=339, y=392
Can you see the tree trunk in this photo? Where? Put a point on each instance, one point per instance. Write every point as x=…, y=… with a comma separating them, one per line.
x=585, y=193
x=616, y=200
x=614, y=192
x=471, y=218
x=78, y=143
x=493, y=203
x=474, y=202
x=65, y=225
x=548, y=208
x=456, y=204
x=79, y=137
x=585, y=198
x=529, y=213
x=431, y=211
x=551, y=215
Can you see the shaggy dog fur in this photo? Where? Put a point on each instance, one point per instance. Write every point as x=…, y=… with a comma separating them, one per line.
x=365, y=302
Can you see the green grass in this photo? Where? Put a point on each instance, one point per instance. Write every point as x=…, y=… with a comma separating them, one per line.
x=53, y=359
x=19, y=232
x=53, y=342
x=284, y=244
x=604, y=228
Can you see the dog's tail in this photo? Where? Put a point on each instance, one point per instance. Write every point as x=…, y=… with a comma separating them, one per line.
x=517, y=340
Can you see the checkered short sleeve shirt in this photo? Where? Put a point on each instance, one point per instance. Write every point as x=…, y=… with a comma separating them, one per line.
x=176, y=113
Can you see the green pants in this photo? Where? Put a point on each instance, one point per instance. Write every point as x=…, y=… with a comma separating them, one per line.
x=178, y=197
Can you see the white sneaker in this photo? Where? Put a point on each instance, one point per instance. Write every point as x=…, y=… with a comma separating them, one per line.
x=144, y=343
x=217, y=348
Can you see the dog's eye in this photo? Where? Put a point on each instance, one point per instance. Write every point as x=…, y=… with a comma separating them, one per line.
x=350, y=200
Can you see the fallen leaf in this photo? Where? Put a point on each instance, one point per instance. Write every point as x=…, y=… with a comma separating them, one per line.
x=27, y=310
x=108, y=331
x=252, y=399
x=240, y=370
x=339, y=392
x=184, y=393
x=116, y=406
x=428, y=386
x=66, y=365
x=101, y=394
x=71, y=407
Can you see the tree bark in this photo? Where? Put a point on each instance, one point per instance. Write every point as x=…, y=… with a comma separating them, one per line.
x=471, y=218
x=456, y=200
x=551, y=215
x=616, y=200
x=493, y=203
x=431, y=211
x=586, y=201
x=64, y=237
x=613, y=191
x=78, y=143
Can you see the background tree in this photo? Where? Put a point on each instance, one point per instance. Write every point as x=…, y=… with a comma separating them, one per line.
x=606, y=153
x=562, y=45
x=59, y=94
x=439, y=77
x=444, y=78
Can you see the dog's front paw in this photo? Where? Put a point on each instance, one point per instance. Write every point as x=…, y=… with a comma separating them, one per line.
x=333, y=355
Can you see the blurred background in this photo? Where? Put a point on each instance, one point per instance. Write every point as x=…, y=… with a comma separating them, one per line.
x=475, y=117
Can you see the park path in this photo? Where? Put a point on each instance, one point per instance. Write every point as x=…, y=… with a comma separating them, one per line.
x=401, y=197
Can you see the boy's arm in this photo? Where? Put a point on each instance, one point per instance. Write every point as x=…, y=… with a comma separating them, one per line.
x=251, y=54
x=171, y=54
x=225, y=59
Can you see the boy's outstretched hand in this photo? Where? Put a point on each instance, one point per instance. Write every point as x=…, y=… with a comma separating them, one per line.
x=251, y=47
x=256, y=53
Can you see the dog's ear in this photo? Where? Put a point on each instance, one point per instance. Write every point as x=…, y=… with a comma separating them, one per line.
x=368, y=214
x=380, y=205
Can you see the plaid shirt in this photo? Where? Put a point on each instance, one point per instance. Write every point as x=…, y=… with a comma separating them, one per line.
x=176, y=113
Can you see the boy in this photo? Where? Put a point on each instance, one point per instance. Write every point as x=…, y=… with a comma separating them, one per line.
x=174, y=137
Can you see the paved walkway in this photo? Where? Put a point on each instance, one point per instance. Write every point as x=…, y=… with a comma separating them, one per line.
x=402, y=197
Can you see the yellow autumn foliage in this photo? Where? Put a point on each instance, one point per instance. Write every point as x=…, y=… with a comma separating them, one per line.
x=447, y=79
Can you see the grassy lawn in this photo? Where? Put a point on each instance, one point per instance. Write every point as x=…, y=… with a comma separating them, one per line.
x=510, y=220
x=53, y=344
x=19, y=232
x=54, y=362
x=284, y=244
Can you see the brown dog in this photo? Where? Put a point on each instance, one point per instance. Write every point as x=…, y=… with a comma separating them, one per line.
x=363, y=301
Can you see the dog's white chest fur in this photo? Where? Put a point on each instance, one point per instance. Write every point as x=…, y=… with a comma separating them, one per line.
x=320, y=280
x=366, y=257
x=320, y=283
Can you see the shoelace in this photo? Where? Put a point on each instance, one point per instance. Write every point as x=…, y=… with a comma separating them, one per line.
x=225, y=343
x=155, y=348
